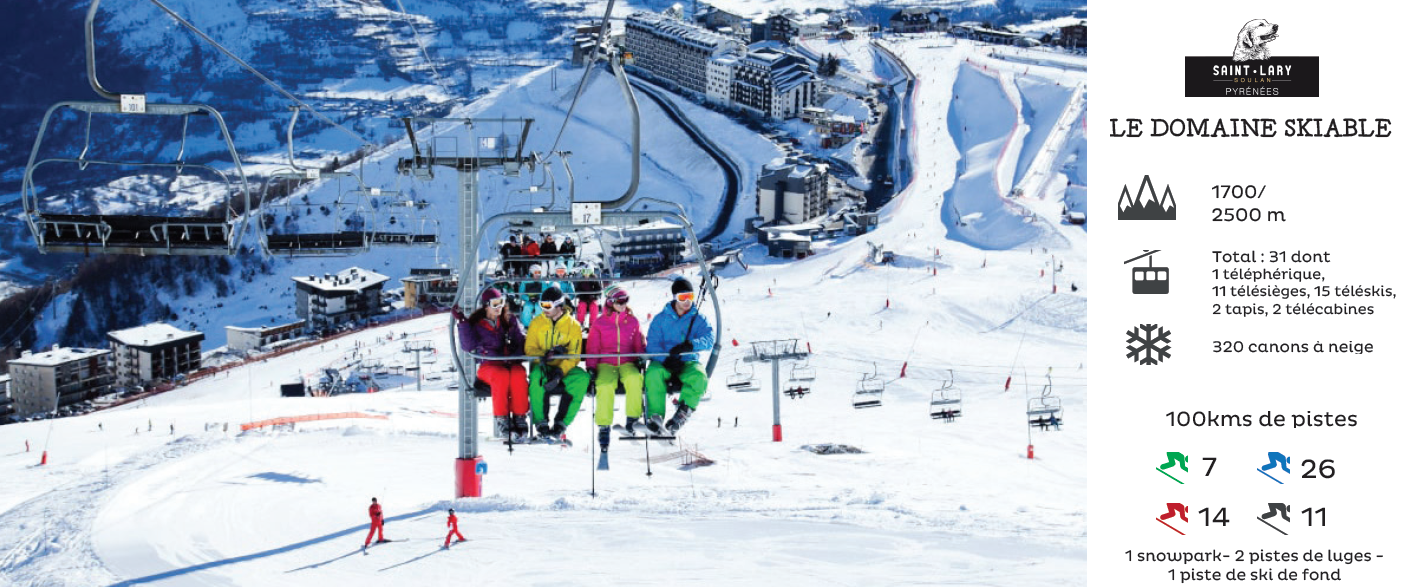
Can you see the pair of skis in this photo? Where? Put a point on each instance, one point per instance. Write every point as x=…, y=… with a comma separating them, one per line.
x=624, y=434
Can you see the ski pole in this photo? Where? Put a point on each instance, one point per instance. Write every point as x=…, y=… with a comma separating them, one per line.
x=647, y=434
x=593, y=467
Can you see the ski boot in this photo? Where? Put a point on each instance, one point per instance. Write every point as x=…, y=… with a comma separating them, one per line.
x=558, y=429
x=654, y=423
x=604, y=432
x=631, y=426
x=502, y=427
x=680, y=418
x=519, y=429
x=543, y=428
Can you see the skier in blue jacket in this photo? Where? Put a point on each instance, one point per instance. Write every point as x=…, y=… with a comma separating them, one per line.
x=676, y=334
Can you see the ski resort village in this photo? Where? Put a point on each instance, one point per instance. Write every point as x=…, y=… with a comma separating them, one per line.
x=586, y=292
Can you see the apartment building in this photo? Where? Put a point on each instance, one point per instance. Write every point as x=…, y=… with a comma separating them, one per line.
x=48, y=381
x=153, y=352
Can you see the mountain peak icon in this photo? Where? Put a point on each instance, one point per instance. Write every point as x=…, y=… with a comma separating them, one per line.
x=1148, y=206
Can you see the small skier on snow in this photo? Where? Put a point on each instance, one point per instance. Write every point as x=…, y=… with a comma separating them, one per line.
x=375, y=523
x=676, y=333
x=451, y=523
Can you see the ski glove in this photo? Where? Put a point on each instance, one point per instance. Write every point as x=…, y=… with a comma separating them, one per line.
x=552, y=377
x=682, y=347
x=674, y=364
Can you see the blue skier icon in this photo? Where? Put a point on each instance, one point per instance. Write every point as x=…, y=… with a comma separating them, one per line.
x=1276, y=459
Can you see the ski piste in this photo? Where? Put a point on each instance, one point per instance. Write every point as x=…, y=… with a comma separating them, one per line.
x=1268, y=476
x=623, y=434
x=1258, y=518
x=1169, y=476
x=1160, y=521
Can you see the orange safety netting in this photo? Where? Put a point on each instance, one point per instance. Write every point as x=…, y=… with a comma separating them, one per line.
x=308, y=418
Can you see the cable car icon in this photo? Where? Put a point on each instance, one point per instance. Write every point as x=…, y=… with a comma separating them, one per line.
x=1150, y=279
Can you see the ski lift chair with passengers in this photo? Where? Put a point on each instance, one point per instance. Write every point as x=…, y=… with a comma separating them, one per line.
x=946, y=401
x=801, y=377
x=104, y=161
x=1046, y=411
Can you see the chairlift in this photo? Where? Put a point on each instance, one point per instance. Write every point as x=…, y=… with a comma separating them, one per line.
x=60, y=225
x=340, y=222
x=869, y=392
x=1046, y=411
x=401, y=220
x=946, y=401
x=743, y=381
x=801, y=376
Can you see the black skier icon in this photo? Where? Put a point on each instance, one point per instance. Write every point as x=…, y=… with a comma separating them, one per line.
x=1276, y=459
x=1174, y=509
x=1276, y=508
x=1147, y=206
x=1150, y=279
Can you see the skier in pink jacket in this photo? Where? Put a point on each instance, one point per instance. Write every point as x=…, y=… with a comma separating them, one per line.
x=616, y=331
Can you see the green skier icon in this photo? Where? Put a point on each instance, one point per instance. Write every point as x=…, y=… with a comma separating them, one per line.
x=1174, y=458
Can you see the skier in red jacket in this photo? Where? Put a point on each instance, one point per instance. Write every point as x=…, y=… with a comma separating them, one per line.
x=375, y=517
x=451, y=523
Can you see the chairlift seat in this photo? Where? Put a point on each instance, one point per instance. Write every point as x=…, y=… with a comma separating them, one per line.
x=134, y=234
x=330, y=242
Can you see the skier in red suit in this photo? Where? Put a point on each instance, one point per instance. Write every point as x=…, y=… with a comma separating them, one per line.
x=451, y=523
x=375, y=523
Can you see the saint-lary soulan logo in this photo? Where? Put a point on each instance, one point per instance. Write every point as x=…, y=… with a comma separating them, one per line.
x=1251, y=71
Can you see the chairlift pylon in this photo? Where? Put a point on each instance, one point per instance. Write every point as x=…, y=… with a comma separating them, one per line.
x=1046, y=411
x=869, y=392
x=56, y=229
x=946, y=401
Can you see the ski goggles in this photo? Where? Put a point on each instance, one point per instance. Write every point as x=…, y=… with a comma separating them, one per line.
x=685, y=296
x=551, y=305
x=619, y=300
x=496, y=303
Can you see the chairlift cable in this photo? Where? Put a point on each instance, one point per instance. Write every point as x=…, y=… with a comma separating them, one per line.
x=584, y=81
x=417, y=38
x=257, y=73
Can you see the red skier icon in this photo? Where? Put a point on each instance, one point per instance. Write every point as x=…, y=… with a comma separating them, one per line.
x=1276, y=459
x=375, y=523
x=1174, y=509
x=451, y=523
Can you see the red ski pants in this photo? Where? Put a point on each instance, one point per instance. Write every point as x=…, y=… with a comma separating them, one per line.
x=456, y=533
x=510, y=389
x=375, y=526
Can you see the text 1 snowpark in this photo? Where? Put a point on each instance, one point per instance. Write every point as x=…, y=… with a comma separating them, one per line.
x=1253, y=127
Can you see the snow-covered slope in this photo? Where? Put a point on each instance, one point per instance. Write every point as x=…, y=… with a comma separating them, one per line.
x=195, y=502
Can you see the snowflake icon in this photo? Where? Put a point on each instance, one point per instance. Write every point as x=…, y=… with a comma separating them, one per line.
x=1148, y=351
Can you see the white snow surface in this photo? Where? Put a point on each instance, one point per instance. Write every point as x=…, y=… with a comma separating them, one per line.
x=928, y=502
